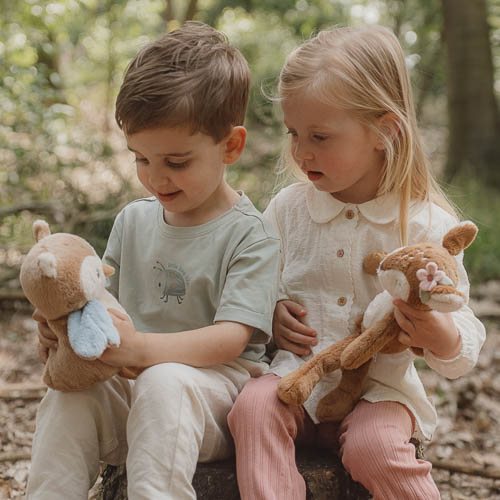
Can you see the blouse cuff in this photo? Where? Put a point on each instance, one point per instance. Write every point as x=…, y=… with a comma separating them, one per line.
x=455, y=367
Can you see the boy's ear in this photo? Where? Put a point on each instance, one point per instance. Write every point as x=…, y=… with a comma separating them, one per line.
x=388, y=125
x=234, y=144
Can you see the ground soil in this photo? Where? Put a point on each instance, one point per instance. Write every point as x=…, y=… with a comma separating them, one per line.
x=465, y=451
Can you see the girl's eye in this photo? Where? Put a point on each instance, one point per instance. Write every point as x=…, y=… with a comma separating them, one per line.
x=141, y=161
x=176, y=165
x=292, y=133
x=319, y=137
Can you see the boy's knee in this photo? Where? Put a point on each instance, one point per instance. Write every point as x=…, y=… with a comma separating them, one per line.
x=165, y=382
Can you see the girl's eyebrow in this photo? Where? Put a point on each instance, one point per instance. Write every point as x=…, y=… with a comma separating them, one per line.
x=175, y=155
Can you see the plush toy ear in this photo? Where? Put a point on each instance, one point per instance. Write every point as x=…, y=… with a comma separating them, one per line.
x=460, y=237
x=40, y=230
x=47, y=263
x=372, y=261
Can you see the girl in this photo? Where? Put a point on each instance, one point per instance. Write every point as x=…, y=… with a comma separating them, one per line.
x=347, y=104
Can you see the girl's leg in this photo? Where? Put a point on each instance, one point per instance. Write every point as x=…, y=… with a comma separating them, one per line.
x=377, y=453
x=264, y=430
x=74, y=430
x=178, y=417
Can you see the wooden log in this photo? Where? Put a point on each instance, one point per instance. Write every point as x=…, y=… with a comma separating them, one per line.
x=325, y=478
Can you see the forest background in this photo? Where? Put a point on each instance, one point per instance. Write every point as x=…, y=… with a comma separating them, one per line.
x=63, y=158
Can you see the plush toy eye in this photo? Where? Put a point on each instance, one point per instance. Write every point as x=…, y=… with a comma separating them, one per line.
x=98, y=273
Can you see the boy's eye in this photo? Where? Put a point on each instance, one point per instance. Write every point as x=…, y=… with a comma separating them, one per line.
x=292, y=133
x=176, y=165
x=141, y=161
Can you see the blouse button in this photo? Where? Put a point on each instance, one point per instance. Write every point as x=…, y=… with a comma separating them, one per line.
x=341, y=301
x=349, y=214
x=340, y=253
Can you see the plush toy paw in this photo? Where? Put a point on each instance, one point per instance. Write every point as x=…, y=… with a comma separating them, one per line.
x=294, y=389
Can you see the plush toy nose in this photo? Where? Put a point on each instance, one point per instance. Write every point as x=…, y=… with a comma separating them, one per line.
x=108, y=270
x=444, y=298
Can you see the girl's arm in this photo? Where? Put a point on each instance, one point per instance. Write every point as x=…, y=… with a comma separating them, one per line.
x=289, y=332
x=210, y=345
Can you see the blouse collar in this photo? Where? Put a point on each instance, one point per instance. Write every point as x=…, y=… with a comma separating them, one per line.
x=323, y=207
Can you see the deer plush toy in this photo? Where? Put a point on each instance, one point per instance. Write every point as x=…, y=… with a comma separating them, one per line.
x=423, y=275
x=64, y=279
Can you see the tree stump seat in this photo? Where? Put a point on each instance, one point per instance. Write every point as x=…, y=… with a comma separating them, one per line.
x=325, y=478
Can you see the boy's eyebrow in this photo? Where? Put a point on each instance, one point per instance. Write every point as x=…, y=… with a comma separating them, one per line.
x=175, y=155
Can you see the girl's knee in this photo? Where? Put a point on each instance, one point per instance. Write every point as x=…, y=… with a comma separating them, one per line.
x=256, y=406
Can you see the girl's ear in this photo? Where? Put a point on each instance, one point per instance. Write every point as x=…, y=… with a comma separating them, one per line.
x=388, y=125
x=234, y=144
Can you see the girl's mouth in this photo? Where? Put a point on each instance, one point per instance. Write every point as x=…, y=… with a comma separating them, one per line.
x=314, y=176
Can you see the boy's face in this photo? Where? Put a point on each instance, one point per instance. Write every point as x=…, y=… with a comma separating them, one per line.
x=185, y=172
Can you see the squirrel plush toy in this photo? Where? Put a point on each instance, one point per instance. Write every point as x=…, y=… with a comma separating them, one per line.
x=64, y=279
x=423, y=275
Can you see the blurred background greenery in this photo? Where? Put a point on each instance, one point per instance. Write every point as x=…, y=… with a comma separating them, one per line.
x=63, y=158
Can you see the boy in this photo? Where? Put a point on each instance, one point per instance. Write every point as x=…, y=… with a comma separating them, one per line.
x=194, y=260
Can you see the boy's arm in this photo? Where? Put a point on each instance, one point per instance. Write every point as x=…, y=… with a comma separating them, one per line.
x=210, y=345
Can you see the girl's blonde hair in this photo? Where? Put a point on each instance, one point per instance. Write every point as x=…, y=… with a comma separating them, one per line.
x=362, y=70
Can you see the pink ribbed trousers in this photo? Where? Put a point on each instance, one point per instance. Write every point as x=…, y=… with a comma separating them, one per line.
x=374, y=444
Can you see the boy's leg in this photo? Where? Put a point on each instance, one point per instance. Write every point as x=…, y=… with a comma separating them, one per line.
x=264, y=431
x=177, y=418
x=74, y=430
x=377, y=453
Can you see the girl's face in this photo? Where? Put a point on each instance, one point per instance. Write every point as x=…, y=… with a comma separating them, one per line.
x=334, y=149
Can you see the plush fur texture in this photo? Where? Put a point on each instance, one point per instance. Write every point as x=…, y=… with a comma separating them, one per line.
x=423, y=275
x=60, y=274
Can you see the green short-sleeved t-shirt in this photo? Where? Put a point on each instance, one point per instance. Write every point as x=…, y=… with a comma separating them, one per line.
x=172, y=279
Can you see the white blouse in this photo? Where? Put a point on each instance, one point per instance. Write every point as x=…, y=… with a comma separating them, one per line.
x=324, y=242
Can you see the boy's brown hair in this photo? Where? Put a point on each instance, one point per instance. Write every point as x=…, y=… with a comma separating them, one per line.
x=190, y=77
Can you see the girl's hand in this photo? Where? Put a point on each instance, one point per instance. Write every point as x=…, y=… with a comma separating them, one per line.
x=431, y=330
x=46, y=337
x=289, y=332
x=130, y=349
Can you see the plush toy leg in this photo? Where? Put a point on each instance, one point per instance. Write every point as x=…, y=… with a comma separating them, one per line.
x=337, y=404
x=297, y=386
x=370, y=342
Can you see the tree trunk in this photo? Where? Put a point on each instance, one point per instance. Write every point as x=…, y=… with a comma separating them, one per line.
x=474, y=124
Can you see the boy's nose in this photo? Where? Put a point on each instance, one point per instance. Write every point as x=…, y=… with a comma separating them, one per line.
x=158, y=174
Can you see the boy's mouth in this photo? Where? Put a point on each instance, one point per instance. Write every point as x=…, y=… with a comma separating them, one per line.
x=168, y=196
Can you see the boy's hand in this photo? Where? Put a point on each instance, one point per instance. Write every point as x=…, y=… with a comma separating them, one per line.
x=46, y=337
x=289, y=332
x=130, y=349
x=431, y=330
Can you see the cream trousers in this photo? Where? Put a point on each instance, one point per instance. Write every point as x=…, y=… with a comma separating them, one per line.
x=162, y=424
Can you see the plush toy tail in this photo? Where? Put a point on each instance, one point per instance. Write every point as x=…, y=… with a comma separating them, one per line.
x=40, y=229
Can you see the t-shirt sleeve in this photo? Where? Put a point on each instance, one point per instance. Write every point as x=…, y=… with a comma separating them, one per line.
x=250, y=289
x=271, y=217
x=112, y=255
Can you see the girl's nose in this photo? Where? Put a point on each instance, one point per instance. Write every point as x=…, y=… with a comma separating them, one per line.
x=301, y=153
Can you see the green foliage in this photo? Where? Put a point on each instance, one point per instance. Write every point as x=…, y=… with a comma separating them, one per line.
x=61, y=63
x=481, y=204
